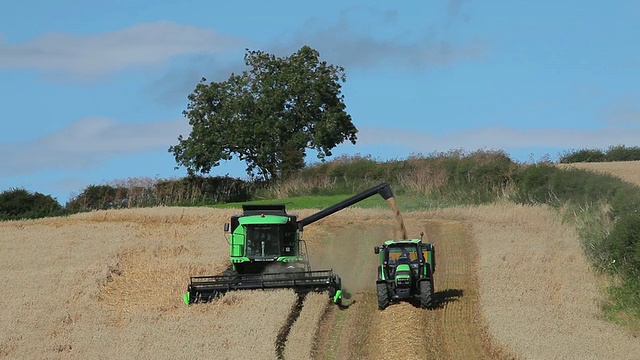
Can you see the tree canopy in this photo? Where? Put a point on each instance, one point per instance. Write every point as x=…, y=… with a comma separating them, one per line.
x=18, y=204
x=267, y=116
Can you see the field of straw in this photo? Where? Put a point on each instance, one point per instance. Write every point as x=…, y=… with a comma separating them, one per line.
x=511, y=282
x=108, y=284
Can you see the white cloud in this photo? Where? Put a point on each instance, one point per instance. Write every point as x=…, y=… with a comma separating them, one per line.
x=98, y=54
x=88, y=142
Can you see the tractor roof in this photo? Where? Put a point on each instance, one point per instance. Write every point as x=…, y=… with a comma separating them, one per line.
x=259, y=209
x=263, y=219
x=405, y=241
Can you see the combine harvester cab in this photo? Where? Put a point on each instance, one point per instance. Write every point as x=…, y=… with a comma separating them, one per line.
x=265, y=247
x=406, y=272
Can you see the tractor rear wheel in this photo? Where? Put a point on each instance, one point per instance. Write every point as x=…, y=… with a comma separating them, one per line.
x=383, y=296
x=426, y=294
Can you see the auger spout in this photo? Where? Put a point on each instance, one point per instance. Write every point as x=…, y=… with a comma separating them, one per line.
x=384, y=189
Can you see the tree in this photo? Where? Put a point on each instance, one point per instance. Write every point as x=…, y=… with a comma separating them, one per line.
x=267, y=116
x=98, y=197
x=18, y=204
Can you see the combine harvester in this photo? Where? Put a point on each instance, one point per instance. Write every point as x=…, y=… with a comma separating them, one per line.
x=267, y=252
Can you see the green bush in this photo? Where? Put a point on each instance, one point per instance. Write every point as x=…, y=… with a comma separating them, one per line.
x=477, y=177
x=97, y=197
x=470, y=178
x=583, y=155
x=623, y=244
x=581, y=189
x=534, y=184
x=204, y=190
x=193, y=190
x=613, y=153
x=625, y=200
x=548, y=184
x=349, y=168
x=623, y=303
x=18, y=204
x=622, y=153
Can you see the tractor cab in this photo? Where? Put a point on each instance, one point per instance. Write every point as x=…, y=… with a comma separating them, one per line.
x=263, y=236
x=403, y=253
x=269, y=240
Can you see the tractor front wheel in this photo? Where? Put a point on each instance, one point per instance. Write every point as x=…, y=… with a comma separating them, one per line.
x=426, y=294
x=383, y=296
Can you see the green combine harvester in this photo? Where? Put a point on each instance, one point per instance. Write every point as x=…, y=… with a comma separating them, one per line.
x=406, y=272
x=267, y=252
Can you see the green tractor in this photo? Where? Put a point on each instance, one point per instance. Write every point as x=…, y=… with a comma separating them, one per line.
x=406, y=272
x=266, y=251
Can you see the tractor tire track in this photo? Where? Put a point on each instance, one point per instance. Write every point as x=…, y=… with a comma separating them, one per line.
x=344, y=332
x=457, y=325
x=283, y=334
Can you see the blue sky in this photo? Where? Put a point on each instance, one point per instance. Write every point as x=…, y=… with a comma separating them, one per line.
x=93, y=92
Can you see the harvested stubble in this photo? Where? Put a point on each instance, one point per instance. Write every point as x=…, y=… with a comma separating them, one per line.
x=79, y=287
x=539, y=295
x=302, y=337
x=108, y=284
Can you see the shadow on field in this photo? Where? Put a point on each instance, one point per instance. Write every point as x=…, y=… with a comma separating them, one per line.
x=442, y=298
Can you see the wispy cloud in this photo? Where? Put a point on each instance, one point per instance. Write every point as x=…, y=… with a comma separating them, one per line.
x=86, y=143
x=341, y=42
x=625, y=110
x=98, y=54
x=498, y=137
x=177, y=82
x=454, y=11
x=356, y=46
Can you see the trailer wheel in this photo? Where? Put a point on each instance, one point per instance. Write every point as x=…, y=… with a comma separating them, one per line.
x=383, y=296
x=426, y=294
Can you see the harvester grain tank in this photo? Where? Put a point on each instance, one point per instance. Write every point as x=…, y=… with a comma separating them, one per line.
x=406, y=272
x=267, y=252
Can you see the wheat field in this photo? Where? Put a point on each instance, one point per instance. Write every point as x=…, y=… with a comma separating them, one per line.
x=626, y=170
x=512, y=282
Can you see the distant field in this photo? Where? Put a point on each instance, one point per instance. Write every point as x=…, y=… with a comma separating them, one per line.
x=626, y=170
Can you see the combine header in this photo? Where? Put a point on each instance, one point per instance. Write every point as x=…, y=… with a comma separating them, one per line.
x=267, y=252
